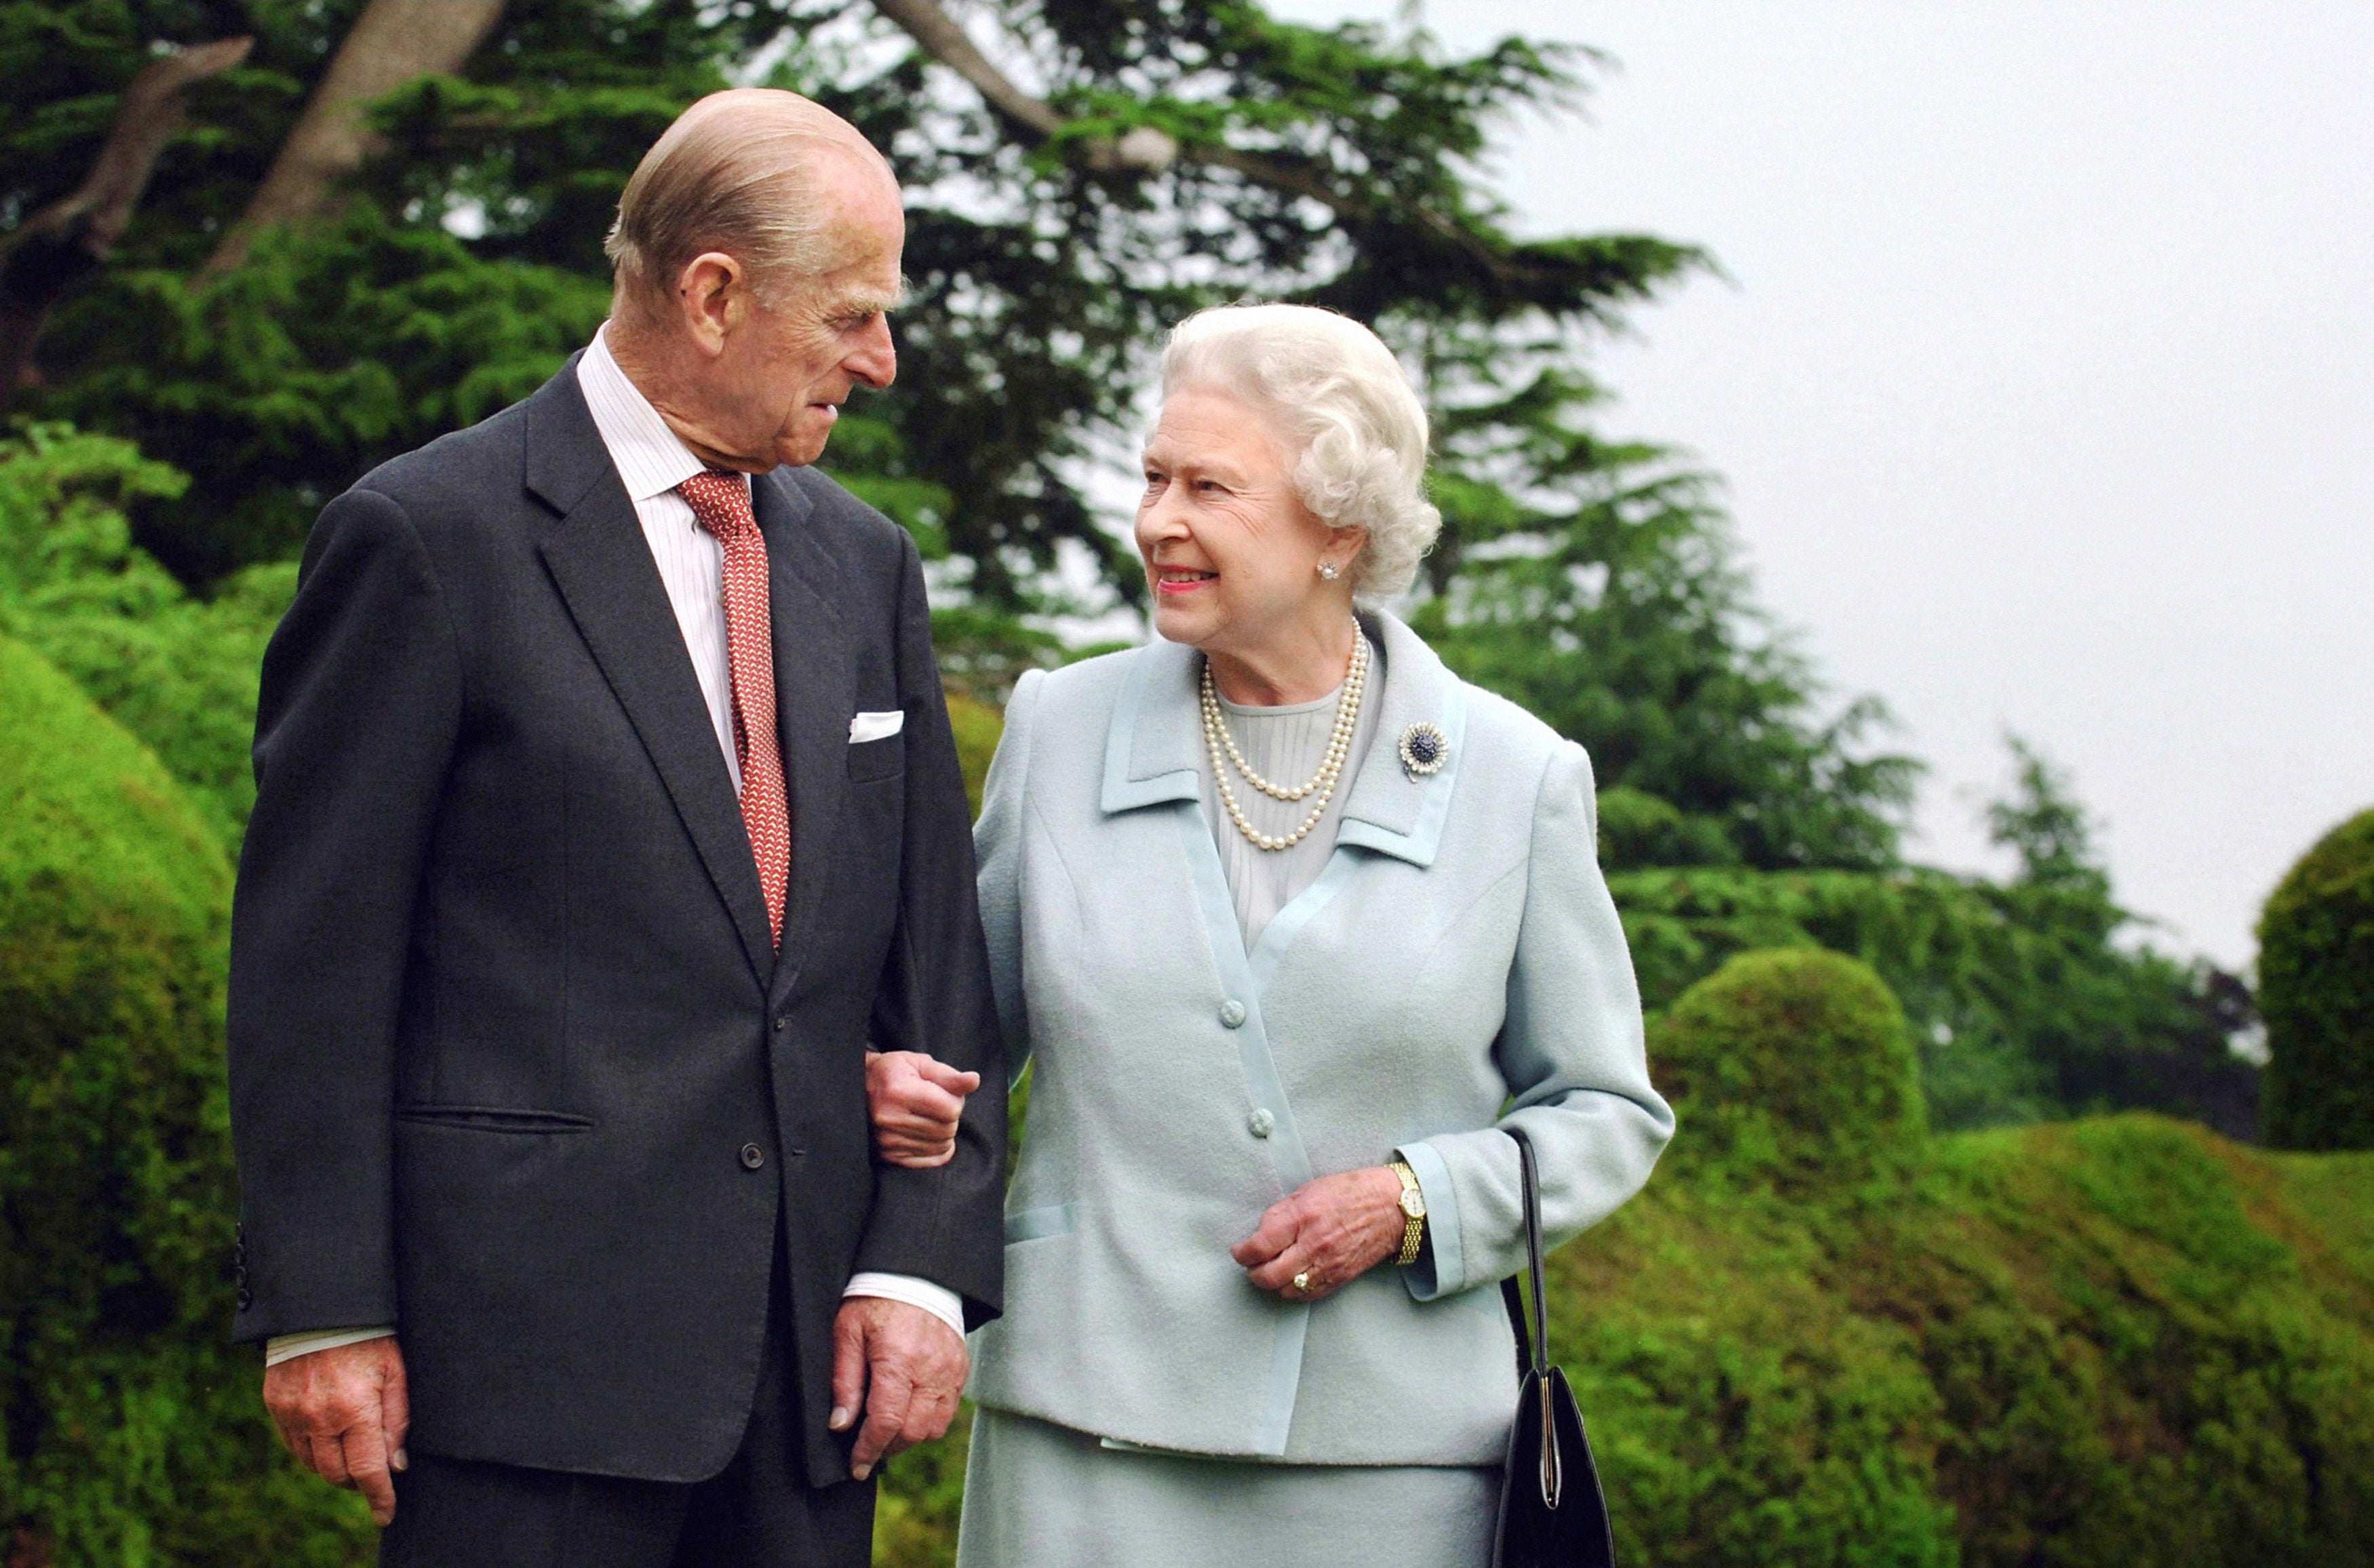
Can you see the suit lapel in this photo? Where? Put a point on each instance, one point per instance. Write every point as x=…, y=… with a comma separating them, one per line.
x=815, y=692
x=602, y=566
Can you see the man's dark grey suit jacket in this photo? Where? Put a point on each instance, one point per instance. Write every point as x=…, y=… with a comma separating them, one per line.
x=514, y=1066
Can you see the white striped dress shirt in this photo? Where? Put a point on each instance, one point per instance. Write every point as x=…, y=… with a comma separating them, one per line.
x=651, y=462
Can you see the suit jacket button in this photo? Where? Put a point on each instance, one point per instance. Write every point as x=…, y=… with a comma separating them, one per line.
x=1232, y=1013
x=1260, y=1124
x=779, y=1025
x=246, y=1298
x=753, y=1156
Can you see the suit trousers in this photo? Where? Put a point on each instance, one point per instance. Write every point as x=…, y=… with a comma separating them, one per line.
x=759, y=1512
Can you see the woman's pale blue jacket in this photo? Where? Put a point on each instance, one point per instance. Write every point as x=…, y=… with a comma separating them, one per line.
x=1457, y=967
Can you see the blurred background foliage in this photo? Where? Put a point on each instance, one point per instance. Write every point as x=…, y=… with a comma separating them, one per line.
x=2005, y=1346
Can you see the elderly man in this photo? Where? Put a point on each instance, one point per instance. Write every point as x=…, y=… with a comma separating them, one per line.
x=606, y=810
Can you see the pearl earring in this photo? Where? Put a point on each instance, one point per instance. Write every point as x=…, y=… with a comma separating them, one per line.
x=1330, y=571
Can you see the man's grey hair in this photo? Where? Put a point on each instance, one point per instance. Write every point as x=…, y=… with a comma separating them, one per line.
x=1354, y=433
x=735, y=173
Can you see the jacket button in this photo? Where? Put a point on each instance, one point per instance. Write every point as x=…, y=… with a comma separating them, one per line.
x=753, y=1156
x=1232, y=1013
x=246, y=1298
x=779, y=1025
x=1260, y=1124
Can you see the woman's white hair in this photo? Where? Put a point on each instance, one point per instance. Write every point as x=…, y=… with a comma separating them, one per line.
x=1353, y=430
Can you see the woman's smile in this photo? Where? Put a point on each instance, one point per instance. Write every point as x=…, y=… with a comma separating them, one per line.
x=1180, y=579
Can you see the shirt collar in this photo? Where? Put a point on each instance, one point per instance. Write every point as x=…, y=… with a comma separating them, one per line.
x=652, y=460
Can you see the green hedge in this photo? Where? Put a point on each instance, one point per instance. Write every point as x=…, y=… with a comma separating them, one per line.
x=2122, y=1342
x=179, y=671
x=1792, y=1069
x=134, y=1432
x=2316, y=992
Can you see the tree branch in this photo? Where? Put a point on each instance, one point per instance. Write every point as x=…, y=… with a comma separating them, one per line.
x=392, y=42
x=923, y=21
x=1153, y=151
x=69, y=239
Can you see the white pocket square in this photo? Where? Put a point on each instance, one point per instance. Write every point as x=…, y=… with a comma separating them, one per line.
x=876, y=726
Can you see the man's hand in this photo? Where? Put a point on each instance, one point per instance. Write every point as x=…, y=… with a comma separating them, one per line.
x=914, y=1101
x=901, y=1368
x=1330, y=1232
x=343, y=1413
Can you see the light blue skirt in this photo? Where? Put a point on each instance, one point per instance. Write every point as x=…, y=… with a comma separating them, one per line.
x=1038, y=1495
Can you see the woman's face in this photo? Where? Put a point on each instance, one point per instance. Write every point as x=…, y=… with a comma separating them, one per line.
x=1231, y=553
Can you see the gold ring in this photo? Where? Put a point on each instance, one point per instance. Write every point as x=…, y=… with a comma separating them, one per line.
x=1302, y=1280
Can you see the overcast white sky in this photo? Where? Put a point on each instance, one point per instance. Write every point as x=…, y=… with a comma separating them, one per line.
x=2044, y=387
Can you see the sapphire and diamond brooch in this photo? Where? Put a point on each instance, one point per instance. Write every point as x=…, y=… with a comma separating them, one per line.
x=1424, y=750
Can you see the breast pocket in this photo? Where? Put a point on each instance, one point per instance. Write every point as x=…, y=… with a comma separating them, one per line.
x=870, y=761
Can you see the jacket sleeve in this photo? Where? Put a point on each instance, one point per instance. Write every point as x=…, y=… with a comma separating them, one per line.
x=1571, y=1052
x=944, y=1225
x=356, y=723
x=997, y=841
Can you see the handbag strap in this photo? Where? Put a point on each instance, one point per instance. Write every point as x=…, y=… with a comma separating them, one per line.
x=1533, y=1348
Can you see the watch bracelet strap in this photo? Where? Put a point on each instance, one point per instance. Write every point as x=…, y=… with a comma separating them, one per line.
x=1413, y=1226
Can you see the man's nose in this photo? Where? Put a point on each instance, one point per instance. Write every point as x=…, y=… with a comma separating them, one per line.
x=874, y=361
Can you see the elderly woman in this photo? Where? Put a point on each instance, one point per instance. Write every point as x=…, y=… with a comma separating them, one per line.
x=1293, y=922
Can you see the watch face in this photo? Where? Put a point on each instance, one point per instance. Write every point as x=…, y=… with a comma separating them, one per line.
x=1414, y=1205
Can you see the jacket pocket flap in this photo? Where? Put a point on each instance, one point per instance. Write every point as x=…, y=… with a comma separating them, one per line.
x=494, y=1118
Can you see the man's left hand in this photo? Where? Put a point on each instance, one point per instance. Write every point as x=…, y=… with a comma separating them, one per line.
x=898, y=1367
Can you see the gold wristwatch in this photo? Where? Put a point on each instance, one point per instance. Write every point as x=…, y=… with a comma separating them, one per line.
x=1412, y=1213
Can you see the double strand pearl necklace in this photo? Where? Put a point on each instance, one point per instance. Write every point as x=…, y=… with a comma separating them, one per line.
x=1218, y=742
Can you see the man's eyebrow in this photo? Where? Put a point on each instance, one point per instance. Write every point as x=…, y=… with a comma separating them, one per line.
x=866, y=302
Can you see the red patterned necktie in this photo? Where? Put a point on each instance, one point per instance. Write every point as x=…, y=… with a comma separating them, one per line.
x=721, y=500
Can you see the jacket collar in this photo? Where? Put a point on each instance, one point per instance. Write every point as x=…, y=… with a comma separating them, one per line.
x=1154, y=746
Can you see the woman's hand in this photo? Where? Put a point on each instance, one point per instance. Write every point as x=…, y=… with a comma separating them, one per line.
x=1332, y=1231
x=914, y=1102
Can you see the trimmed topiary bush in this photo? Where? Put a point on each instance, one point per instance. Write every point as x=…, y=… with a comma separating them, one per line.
x=177, y=670
x=2122, y=1342
x=2316, y=992
x=134, y=1434
x=1791, y=1067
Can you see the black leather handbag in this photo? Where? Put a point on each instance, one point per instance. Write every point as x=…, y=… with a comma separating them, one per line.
x=1552, y=1514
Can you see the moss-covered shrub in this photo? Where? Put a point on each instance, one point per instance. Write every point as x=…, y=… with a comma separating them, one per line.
x=177, y=670
x=133, y=1430
x=2316, y=992
x=2122, y=1342
x=1793, y=1068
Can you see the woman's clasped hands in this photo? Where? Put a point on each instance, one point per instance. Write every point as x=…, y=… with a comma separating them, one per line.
x=1324, y=1234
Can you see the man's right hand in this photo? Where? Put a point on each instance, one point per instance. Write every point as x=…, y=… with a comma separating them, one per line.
x=915, y=1102
x=343, y=1413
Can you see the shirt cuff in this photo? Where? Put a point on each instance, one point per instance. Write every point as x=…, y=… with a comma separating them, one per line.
x=937, y=1300
x=288, y=1347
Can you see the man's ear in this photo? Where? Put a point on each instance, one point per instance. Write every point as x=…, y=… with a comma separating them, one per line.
x=712, y=300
